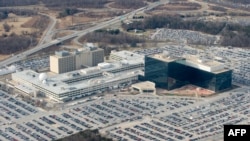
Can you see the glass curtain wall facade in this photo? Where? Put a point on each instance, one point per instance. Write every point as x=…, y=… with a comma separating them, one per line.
x=171, y=75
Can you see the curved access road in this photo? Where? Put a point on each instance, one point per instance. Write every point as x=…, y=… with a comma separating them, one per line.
x=24, y=54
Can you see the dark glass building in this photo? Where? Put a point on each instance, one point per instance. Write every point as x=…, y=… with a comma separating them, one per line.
x=172, y=72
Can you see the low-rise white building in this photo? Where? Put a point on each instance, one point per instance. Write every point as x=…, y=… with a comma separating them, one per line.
x=125, y=55
x=146, y=87
x=80, y=83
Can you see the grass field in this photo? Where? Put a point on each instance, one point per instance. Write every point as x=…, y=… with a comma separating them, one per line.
x=16, y=23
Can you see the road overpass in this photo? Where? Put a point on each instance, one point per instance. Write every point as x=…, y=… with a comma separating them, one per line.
x=24, y=54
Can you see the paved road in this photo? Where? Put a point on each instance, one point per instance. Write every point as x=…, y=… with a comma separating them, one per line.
x=23, y=55
x=47, y=36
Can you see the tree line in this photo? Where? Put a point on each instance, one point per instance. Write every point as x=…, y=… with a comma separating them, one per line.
x=239, y=1
x=13, y=43
x=236, y=35
x=3, y=15
x=5, y=3
x=68, y=12
x=128, y=4
x=56, y=3
x=20, y=12
x=75, y=3
x=152, y=0
x=242, y=4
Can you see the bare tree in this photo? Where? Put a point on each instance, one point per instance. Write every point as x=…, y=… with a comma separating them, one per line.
x=6, y=27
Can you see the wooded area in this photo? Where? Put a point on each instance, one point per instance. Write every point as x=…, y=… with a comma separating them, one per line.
x=236, y=35
x=24, y=12
x=128, y=4
x=3, y=15
x=56, y=3
x=19, y=12
x=67, y=12
x=13, y=43
x=152, y=0
x=239, y=1
x=4, y=3
x=75, y=3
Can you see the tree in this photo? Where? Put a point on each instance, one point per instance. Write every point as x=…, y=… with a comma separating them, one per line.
x=133, y=44
x=6, y=27
x=3, y=15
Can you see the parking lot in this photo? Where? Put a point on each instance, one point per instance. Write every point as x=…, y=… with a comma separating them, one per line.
x=203, y=121
x=237, y=59
x=93, y=114
x=34, y=64
x=12, y=108
x=185, y=36
x=125, y=117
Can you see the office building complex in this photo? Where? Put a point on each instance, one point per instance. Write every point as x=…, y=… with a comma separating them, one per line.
x=164, y=70
x=170, y=72
x=89, y=57
x=64, y=61
x=84, y=82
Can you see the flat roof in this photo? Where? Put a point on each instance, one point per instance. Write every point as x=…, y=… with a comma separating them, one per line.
x=165, y=57
x=145, y=85
x=214, y=66
x=205, y=62
x=57, y=85
x=193, y=61
x=62, y=53
x=26, y=89
x=96, y=69
x=127, y=55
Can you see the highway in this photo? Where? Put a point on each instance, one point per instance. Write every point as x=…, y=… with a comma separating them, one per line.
x=23, y=55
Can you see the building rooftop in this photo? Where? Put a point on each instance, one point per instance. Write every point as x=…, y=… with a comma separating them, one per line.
x=205, y=64
x=193, y=61
x=145, y=85
x=62, y=53
x=166, y=57
x=61, y=83
x=127, y=55
x=65, y=53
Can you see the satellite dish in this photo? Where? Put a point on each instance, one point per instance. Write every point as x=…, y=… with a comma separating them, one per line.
x=42, y=76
